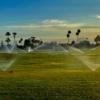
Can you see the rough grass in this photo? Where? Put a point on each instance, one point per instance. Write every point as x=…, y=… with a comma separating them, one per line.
x=49, y=76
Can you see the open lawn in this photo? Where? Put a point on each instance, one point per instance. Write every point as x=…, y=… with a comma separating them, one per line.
x=48, y=76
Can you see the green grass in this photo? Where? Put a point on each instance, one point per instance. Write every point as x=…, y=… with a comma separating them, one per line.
x=7, y=56
x=48, y=61
x=48, y=76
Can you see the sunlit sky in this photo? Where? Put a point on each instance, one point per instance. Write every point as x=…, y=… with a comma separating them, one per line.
x=50, y=19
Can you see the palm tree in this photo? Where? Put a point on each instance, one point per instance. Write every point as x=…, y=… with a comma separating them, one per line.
x=78, y=33
x=8, y=41
x=14, y=35
x=2, y=44
x=69, y=32
x=68, y=36
x=7, y=34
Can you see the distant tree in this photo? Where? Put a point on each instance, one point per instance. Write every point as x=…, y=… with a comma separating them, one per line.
x=41, y=42
x=20, y=41
x=68, y=36
x=8, y=38
x=2, y=44
x=97, y=40
x=8, y=41
x=7, y=34
x=32, y=42
x=14, y=35
x=78, y=33
x=69, y=32
x=73, y=43
x=36, y=42
x=32, y=39
x=27, y=43
x=20, y=46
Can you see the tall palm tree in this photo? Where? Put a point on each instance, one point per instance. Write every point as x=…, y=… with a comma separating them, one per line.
x=69, y=32
x=7, y=34
x=68, y=36
x=2, y=44
x=8, y=41
x=14, y=35
x=78, y=33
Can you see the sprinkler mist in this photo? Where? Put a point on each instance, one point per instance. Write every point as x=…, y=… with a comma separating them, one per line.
x=50, y=47
x=29, y=49
x=84, y=58
x=5, y=65
x=11, y=49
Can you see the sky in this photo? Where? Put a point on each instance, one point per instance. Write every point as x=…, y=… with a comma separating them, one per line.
x=50, y=19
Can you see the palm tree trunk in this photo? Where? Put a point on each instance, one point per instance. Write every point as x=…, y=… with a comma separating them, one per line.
x=15, y=40
x=68, y=41
x=77, y=38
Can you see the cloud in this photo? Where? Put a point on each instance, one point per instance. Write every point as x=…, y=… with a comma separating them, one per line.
x=60, y=24
x=47, y=24
x=98, y=16
x=53, y=21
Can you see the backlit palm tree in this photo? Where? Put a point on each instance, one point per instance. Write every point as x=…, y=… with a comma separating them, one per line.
x=78, y=33
x=8, y=39
x=7, y=34
x=14, y=35
x=68, y=36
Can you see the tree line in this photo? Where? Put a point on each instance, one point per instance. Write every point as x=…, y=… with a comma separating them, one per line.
x=33, y=42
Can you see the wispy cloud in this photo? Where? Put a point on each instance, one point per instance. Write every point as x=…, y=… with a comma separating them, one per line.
x=48, y=23
x=98, y=16
x=60, y=24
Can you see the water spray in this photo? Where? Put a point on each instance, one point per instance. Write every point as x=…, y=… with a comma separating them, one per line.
x=83, y=58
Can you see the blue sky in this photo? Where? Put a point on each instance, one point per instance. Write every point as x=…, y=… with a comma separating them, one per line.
x=27, y=11
x=58, y=15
